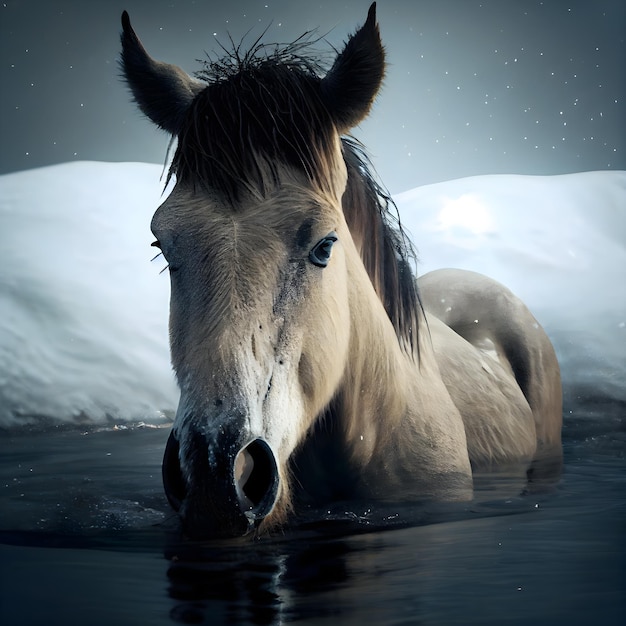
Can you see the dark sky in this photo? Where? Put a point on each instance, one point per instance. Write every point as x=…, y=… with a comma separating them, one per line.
x=473, y=87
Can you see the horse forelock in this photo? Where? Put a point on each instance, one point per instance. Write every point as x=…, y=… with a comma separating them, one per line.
x=259, y=112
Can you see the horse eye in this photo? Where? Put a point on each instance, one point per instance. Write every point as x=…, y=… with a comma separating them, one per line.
x=320, y=254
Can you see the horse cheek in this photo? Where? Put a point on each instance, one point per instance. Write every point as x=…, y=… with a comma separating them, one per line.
x=325, y=344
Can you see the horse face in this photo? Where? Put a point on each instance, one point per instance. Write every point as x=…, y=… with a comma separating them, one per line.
x=259, y=327
x=257, y=247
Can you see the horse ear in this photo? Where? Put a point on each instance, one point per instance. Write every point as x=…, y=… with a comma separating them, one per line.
x=353, y=81
x=162, y=91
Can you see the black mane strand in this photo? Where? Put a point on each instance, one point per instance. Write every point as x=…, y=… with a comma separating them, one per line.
x=387, y=252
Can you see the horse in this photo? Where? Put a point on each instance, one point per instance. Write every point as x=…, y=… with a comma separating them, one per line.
x=312, y=365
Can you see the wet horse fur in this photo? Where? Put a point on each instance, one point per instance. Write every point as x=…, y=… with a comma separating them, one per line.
x=310, y=366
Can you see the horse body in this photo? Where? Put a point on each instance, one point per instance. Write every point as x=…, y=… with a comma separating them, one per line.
x=509, y=365
x=307, y=366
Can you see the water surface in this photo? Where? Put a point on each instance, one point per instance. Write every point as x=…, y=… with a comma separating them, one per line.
x=86, y=537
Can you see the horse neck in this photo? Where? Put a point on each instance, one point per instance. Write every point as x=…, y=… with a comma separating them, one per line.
x=390, y=400
x=379, y=374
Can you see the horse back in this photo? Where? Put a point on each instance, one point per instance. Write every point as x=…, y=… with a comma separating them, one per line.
x=487, y=341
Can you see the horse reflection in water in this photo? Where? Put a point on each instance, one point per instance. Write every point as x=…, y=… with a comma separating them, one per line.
x=310, y=368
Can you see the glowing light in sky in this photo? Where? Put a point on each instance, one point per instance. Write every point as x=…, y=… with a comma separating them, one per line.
x=467, y=212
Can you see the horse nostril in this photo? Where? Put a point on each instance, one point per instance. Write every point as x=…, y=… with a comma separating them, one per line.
x=173, y=480
x=256, y=479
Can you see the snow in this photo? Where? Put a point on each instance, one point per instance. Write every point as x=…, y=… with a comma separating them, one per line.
x=83, y=324
x=83, y=330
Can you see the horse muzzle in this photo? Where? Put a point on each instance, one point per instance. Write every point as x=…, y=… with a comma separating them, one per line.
x=220, y=488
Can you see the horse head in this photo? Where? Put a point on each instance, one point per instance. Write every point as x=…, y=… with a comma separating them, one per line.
x=261, y=263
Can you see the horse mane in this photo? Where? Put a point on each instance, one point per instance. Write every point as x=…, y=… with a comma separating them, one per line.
x=262, y=110
x=386, y=251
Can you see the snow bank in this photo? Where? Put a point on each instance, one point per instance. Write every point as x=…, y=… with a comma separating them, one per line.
x=83, y=329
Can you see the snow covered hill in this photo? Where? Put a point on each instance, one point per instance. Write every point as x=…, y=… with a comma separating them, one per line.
x=83, y=330
x=83, y=324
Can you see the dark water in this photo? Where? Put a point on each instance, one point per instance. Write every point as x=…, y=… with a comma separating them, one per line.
x=87, y=538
